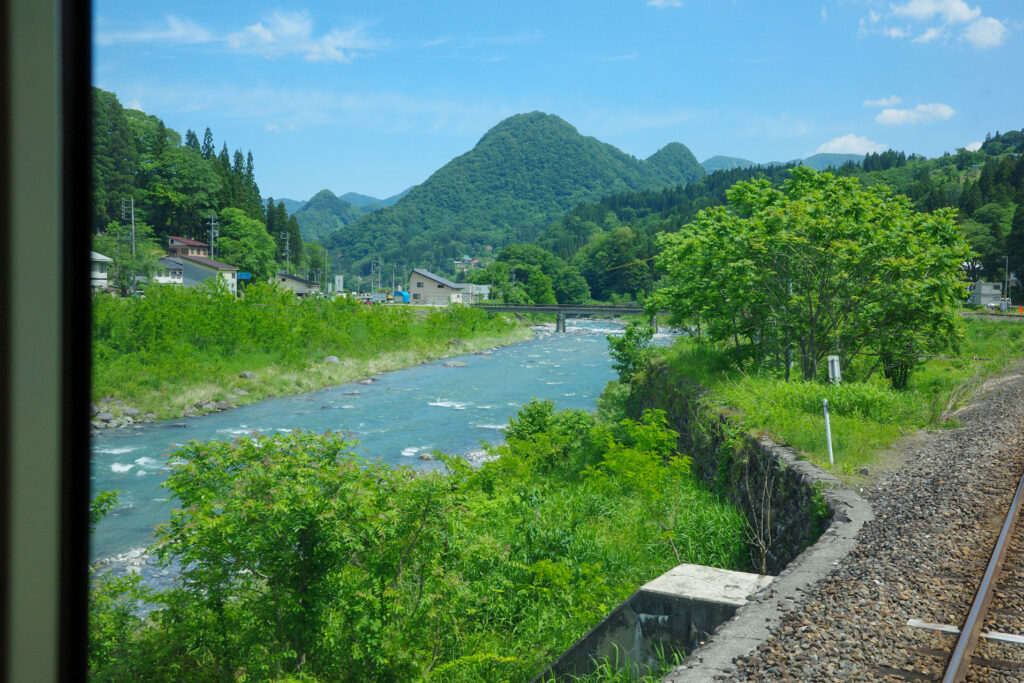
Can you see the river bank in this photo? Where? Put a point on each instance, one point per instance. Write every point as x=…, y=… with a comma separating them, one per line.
x=149, y=392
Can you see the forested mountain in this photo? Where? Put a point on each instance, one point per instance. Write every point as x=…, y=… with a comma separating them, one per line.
x=722, y=163
x=523, y=173
x=325, y=213
x=370, y=203
x=291, y=205
x=611, y=241
x=819, y=162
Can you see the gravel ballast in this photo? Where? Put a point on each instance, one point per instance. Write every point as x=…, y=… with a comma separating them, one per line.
x=937, y=511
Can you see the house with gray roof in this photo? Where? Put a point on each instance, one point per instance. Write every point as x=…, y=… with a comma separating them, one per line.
x=433, y=290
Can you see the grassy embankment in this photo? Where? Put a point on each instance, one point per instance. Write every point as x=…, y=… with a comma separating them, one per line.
x=866, y=416
x=179, y=348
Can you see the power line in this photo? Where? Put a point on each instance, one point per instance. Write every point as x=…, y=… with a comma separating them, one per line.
x=626, y=265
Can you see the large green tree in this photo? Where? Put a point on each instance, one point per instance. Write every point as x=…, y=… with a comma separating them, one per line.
x=820, y=266
x=245, y=243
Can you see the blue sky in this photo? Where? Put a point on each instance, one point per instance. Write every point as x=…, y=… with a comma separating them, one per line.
x=372, y=97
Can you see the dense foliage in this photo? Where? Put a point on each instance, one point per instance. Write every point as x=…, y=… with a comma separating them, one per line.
x=821, y=266
x=178, y=185
x=175, y=338
x=302, y=560
x=522, y=174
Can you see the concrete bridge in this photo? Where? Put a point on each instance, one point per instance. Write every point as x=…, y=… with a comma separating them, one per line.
x=564, y=310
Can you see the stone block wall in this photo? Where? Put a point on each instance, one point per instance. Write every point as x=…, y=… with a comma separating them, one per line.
x=780, y=494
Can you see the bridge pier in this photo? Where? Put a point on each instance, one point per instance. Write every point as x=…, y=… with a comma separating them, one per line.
x=560, y=322
x=654, y=324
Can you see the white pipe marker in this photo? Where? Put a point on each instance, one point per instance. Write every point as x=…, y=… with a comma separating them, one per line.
x=828, y=433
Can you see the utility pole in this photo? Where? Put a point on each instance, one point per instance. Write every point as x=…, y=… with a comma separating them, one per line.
x=125, y=203
x=124, y=216
x=214, y=233
x=287, y=237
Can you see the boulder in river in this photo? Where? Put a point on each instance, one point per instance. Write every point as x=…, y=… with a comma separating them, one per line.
x=333, y=360
x=454, y=364
x=106, y=417
x=248, y=374
x=209, y=406
x=222, y=405
x=94, y=410
x=131, y=411
x=241, y=392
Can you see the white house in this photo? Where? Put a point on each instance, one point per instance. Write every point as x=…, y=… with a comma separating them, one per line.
x=98, y=274
x=169, y=271
x=472, y=293
x=198, y=269
x=984, y=293
x=434, y=290
x=296, y=285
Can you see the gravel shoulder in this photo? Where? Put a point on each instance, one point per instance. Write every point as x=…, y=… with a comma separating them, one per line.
x=937, y=499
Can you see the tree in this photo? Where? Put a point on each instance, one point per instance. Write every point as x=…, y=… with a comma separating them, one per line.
x=208, y=150
x=631, y=351
x=116, y=242
x=245, y=243
x=821, y=266
x=299, y=557
x=192, y=141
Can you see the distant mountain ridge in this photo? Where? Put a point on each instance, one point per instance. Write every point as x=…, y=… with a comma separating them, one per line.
x=522, y=174
x=819, y=162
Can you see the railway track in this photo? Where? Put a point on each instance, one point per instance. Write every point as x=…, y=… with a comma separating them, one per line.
x=988, y=643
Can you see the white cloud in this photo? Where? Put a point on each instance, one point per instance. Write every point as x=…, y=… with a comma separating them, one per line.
x=890, y=101
x=136, y=105
x=286, y=33
x=931, y=34
x=974, y=146
x=824, y=14
x=665, y=3
x=922, y=113
x=850, y=144
x=272, y=127
x=986, y=32
x=943, y=15
x=951, y=11
x=173, y=30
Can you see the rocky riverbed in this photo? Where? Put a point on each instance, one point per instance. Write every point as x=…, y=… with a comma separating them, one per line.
x=938, y=500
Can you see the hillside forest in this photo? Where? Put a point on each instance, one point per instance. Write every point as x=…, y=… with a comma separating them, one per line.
x=536, y=210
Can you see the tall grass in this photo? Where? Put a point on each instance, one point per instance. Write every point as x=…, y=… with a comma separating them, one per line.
x=866, y=417
x=178, y=347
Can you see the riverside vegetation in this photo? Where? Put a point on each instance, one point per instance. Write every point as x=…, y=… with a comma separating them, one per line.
x=302, y=561
x=179, y=347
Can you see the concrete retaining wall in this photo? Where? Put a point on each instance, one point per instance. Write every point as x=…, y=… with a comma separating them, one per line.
x=805, y=521
x=782, y=497
x=790, y=502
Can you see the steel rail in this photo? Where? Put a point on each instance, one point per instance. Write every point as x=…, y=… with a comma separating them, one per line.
x=960, y=660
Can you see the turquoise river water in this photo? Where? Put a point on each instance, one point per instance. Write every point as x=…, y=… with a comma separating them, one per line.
x=403, y=415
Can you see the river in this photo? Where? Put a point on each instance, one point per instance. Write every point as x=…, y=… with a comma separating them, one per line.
x=402, y=416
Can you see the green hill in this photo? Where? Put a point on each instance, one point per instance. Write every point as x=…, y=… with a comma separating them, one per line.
x=819, y=162
x=368, y=203
x=291, y=205
x=722, y=163
x=522, y=174
x=323, y=214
